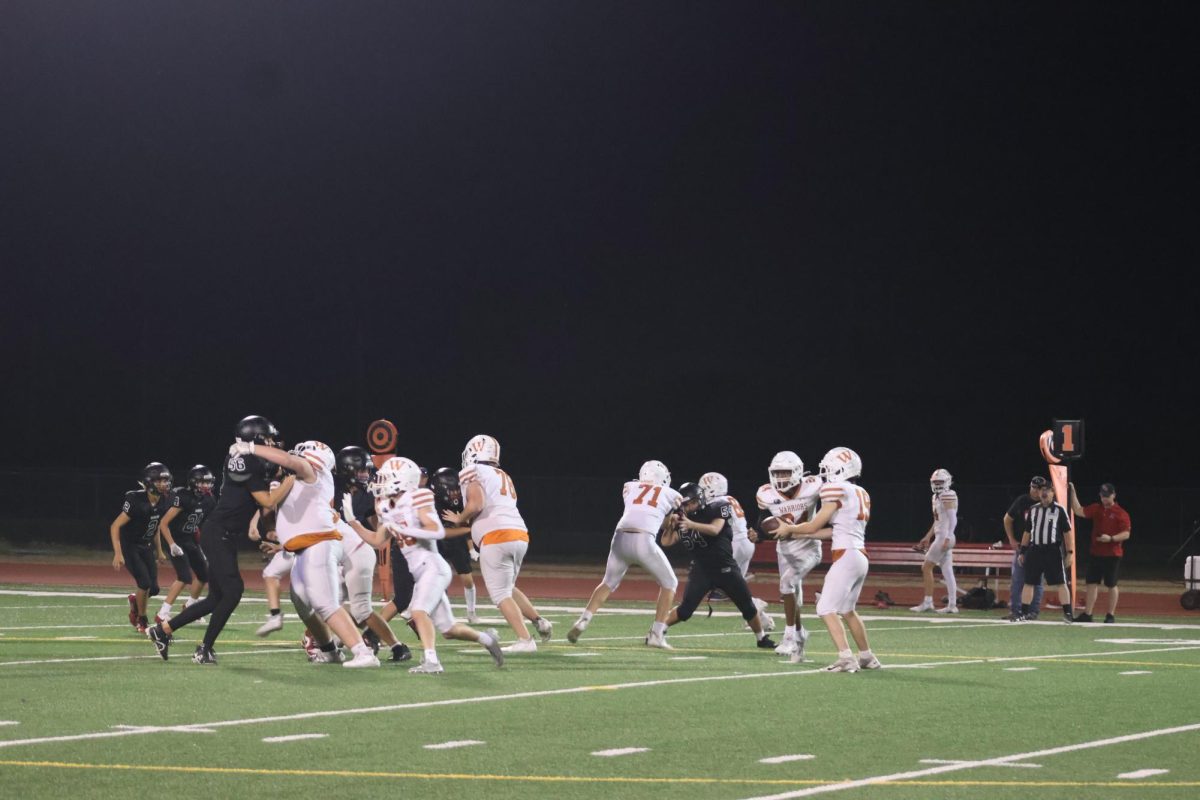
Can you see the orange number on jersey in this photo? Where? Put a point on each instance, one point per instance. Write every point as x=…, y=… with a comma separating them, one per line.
x=506, y=485
x=737, y=508
x=646, y=488
x=864, y=505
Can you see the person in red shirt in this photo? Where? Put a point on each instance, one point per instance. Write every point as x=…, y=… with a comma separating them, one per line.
x=1110, y=529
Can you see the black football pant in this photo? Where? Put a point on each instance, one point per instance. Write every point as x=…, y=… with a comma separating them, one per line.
x=142, y=566
x=225, y=584
x=402, y=578
x=728, y=579
x=191, y=561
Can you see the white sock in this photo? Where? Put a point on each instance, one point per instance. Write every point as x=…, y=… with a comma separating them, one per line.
x=845, y=654
x=659, y=627
x=865, y=653
x=761, y=635
x=790, y=631
x=190, y=601
x=585, y=617
x=951, y=583
x=803, y=633
x=165, y=611
x=928, y=601
x=485, y=638
x=431, y=656
x=469, y=596
x=361, y=649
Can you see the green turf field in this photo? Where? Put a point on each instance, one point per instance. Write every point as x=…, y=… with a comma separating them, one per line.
x=965, y=708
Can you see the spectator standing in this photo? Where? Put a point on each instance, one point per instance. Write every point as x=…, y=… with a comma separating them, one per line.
x=1014, y=525
x=1110, y=529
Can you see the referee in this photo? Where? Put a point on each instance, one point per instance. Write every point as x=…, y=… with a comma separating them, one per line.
x=1047, y=537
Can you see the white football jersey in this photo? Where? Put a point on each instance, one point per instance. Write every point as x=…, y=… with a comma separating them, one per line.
x=738, y=521
x=850, y=520
x=402, y=512
x=307, y=509
x=499, y=501
x=945, y=513
x=646, y=506
x=792, y=510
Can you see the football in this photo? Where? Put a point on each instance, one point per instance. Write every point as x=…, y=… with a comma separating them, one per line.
x=770, y=524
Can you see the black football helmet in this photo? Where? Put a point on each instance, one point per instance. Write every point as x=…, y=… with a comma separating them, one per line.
x=353, y=466
x=200, y=479
x=446, y=489
x=256, y=429
x=153, y=474
x=690, y=492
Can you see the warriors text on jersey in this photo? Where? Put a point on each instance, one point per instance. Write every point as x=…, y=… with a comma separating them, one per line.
x=143, y=517
x=646, y=506
x=793, y=510
x=850, y=520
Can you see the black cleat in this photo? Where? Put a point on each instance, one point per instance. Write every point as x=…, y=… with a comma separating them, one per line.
x=400, y=652
x=371, y=640
x=1083, y=618
x=161, y=639
x=1109, y=618
x=1067, y=618
x=204, y=655
x=765, y=643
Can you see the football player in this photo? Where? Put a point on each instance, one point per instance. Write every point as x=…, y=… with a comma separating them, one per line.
x=243, y=489
x=180, y=530
x=715, y=485
x=790, y=497
x=703, y=526
x=845, y=510
x=262, y=530
x=457, y=548
x=408, y=512
x=648, y=502
x=134, y=535
x=938, y=543
x=500, y=536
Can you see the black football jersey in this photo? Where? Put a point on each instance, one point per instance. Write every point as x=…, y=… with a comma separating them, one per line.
x=711, y=551
x=361, y=503
x=242, y=476
x=193, y=508
x=143, y=516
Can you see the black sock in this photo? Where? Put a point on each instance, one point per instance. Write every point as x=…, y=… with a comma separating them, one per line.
x=274, y=612
x=328, y=647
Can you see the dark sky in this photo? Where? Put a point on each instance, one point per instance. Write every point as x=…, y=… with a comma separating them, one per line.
x=603, y=232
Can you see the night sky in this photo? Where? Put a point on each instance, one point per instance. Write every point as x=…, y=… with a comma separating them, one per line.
x=603, y=232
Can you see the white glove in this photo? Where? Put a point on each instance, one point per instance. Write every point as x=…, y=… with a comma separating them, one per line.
x=176, y=550
x=348, y=507
x=474, y=554
x=241, y=449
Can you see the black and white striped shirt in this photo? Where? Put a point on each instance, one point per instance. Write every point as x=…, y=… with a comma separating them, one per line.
x=1046, y=525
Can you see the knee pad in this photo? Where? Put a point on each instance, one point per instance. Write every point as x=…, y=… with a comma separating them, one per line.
x=360, y=609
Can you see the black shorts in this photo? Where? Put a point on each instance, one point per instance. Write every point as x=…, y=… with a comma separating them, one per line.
x=455, y=551
x=192, y=561
x=728, y=578
x=402, y=578
x=1103, y=568
x=141, y=563
x=1044, y=561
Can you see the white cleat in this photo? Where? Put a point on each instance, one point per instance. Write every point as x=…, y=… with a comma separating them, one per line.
x=545, y=628
x=474, y=619
x=367, y=659
x=922, y=607
x=427, y=668
x=576, y=631
x=787, y=647
x=798, y=657
x=494, y=647
x=273, y=623
x=326, y=657
x=658, y=640
x=869, y=662
x=948, y=610
x=843, y=665
x=521, y=646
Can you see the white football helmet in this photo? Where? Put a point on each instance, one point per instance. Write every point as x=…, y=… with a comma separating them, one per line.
x=481, y=448
x=714, y=484
x=655, y=472
x=317, y=453
x=940, y=480
x=396, y=476
x=786, y=471
x=840, y=464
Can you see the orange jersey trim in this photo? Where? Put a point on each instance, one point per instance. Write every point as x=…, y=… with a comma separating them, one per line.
x=841, y=551
x=505, y=535
x=298, y=543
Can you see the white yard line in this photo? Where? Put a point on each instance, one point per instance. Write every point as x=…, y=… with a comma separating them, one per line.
x=7, y=722
x=1142, y=773
x=461, y=701
x=988, y=762
x=1019, y=669
x=786, y=759
x=960, y=761
x=291, y=650
x=621, y=751
x=454, y=744
x=1136, y=672
x=296, y=737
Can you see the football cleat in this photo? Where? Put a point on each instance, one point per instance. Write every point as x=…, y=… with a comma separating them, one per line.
x=333, y=656
x=1085, y=617
x=310, y=646
x=1067, y=618
x=922, y=607
x=493, y=646
x=849, y=664
x=658, y=640
x=367, y=659
x=521, y=646
x=788, y=646
x=1109, y=618
x=474, y=619
x=576, y=631
x=273, y=623
x=400, y=652
x=162, y=641
x=869, y=662
x=427, y=667
x=948, y=610
x=545, y=628
x=766, y=643
x=204, y=655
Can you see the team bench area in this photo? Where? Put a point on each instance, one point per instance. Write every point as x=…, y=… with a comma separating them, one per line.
x=979, y=556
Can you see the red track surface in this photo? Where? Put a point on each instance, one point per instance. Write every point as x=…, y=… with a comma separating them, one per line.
x=576, y=583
